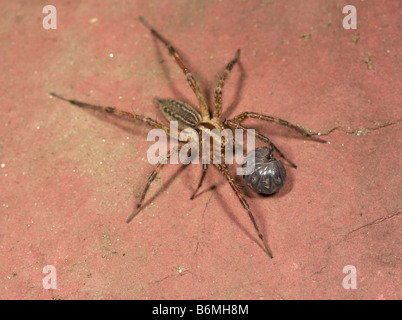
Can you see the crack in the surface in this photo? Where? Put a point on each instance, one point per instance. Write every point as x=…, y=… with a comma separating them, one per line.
x=321, y=269
x=344, y=237
x=180, y=274
x=203, y=227
x=362, y=130
x=376, y=221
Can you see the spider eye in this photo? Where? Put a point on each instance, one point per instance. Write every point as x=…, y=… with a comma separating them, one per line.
x=269, y=174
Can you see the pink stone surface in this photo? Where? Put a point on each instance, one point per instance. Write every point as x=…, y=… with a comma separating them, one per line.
x=69, y=178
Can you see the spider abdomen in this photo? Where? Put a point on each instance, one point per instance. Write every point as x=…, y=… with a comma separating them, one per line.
x=183, y=113
x=268, y=175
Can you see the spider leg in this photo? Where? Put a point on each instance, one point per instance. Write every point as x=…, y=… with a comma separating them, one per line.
x=204, y=172
x=190, y=78
x=303, y=131
x=151, y=178
x=116, y=112
x=260, y=136
x=224, y=171
x=218, y=91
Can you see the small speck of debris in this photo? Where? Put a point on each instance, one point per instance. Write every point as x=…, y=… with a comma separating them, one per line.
x=38, y=127
x=355, y=38
x=111, y=55
x=3, y=165
x=360, y=132
x=306, y=37
x=369, y=63
x=254, y=52
x=327, y=24
x=381, y=124
x=93, y=20
x=181, y=269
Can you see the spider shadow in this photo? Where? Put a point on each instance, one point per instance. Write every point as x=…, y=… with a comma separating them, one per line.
x=200, y=193
x=166, y=184
x=160, y=190
x=235, y=220
x=226, y=209
x=251, y=194
x=165, y=187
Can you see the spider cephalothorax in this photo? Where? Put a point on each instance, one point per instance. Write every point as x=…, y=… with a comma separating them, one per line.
x=188, y=117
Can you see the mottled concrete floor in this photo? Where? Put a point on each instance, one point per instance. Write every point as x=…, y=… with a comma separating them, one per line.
x=70, y=178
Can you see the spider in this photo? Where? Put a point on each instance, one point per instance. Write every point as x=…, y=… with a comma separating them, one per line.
x=189, y=117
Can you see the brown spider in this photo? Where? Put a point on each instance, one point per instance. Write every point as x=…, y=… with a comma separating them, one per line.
x=188, y=117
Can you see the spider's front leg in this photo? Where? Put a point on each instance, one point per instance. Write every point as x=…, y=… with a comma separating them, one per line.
x=116, y=112
x=190, y=78
x=219, y=88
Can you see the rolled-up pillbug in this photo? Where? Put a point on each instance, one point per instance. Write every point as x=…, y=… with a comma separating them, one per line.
x=268, y=175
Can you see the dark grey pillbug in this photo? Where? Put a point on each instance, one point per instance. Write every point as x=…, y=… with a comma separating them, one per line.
x=268, y=175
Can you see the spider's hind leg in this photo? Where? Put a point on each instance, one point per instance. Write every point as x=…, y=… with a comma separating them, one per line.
x=301, y=130
x=260, y=136
x=224, y=171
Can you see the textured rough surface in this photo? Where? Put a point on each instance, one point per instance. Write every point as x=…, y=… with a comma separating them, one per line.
x=70, y=178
